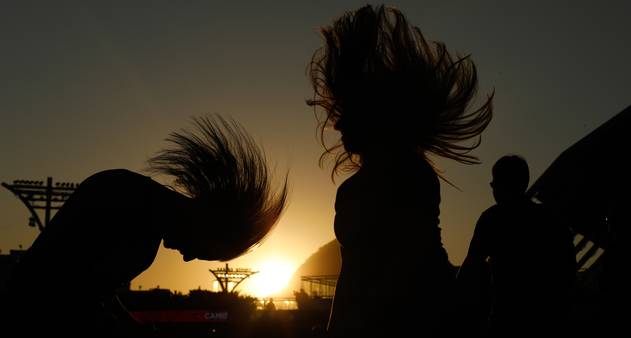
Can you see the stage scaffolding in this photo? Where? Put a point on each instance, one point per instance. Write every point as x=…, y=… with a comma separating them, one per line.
x=319, y=285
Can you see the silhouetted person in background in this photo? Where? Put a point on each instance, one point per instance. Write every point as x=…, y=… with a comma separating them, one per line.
x=531, y=257
x=109, y=230
x=395, y=98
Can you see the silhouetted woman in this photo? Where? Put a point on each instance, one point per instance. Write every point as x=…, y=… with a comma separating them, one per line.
x=109, y=230
x=395, y=98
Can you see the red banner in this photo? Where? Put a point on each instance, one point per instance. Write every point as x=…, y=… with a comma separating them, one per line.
x=180, y=316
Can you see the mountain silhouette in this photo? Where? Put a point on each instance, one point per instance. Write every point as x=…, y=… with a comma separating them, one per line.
x=325, y=261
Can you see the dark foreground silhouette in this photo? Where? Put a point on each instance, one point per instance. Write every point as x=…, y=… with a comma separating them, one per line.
x=530, y=256
x=395, y=98
x=110, y=229
x=588, y=184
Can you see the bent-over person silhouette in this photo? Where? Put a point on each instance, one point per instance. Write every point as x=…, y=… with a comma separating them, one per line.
x=110, y=229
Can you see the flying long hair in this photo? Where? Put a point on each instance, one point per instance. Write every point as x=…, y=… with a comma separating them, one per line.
x=377, y=73
x=223, y=170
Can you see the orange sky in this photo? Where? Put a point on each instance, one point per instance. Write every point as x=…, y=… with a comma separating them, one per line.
x=89, y=87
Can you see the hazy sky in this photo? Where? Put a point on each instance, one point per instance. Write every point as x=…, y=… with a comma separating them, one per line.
x=89, y=86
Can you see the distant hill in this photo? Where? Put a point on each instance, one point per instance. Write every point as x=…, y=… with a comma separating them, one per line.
x=325, y=261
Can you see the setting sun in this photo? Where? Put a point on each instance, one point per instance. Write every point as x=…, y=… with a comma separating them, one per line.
x=273, y=276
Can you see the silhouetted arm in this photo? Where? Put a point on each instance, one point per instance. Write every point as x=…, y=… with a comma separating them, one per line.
x=474, y=273
x=475, y=262
x=473, y=281
x=124, y=324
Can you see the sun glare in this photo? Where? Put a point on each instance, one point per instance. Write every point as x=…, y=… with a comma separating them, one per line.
x=272, y=277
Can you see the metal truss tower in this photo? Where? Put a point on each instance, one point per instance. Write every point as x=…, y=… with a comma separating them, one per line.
x=37, y=196
x=229, y=278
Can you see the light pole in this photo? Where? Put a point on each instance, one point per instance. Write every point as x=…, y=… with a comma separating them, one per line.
x=37, y=196
x=226, y=275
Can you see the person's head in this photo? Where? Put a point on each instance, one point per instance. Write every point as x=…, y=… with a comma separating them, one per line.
x=230, y=204
x=510, y=178
x=383, y=86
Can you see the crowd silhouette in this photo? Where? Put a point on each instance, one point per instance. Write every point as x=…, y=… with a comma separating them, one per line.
x=396, y=99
